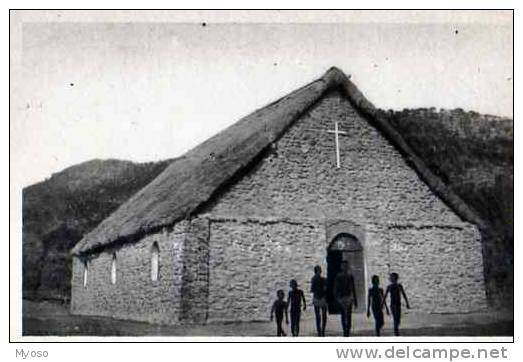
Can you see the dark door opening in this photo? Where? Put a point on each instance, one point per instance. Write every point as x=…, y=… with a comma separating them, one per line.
x=345, y=247
x=334, y=259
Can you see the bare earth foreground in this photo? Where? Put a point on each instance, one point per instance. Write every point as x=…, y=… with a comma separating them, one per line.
x=54, y=319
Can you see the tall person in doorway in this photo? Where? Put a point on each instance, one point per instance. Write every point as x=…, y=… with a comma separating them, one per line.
x=345, y=295
x=319, y=300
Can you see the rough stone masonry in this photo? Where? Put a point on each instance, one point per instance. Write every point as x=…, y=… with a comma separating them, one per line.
x=276, y=219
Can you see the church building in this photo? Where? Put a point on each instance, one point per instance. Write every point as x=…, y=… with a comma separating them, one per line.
x=317, y=177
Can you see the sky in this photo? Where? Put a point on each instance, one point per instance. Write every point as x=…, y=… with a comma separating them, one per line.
x=151, y=88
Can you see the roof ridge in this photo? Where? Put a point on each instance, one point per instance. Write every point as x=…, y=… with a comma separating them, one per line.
x=381, y=121
x=193, y=178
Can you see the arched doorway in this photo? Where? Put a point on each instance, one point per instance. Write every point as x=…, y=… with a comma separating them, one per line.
x=346, y=247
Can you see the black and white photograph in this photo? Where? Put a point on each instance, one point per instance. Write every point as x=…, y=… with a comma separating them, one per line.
x=292, y=175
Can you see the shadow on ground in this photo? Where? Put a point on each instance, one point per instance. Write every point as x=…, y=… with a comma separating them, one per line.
x=54, y=319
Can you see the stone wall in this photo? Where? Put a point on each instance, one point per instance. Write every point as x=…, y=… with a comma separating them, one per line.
x=195, y=286
x=274, y=223
x=298, y=177
x=134, y=295
x=259, y=240
x=440, y=267
x=250, y=260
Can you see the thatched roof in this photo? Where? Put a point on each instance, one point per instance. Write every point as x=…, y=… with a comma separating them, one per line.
x=192, y=179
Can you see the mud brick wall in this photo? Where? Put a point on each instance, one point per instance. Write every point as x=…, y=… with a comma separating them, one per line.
x=134, y=295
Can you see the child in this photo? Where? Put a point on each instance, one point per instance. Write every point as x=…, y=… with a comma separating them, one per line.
x=319, y=292
x=279, y=307
x=376, y=300
x=396, y=291
x=295, y=298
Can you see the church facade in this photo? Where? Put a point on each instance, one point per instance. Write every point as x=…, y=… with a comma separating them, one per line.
x=314, y=178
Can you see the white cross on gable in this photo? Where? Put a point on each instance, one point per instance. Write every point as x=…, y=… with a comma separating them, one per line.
x=336, y=133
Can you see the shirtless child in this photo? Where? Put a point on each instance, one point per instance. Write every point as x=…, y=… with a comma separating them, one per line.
x=279, y=308
x=396, y=291
x=375, y=301
x=295, y=299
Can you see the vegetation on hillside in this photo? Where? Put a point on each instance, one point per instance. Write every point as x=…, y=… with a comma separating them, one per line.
x=474, y=155
x=60, y=210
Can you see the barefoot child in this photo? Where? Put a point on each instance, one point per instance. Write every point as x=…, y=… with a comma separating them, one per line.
x=376, y=300
x=396, y=291
x=295, y=298
x=279, y=307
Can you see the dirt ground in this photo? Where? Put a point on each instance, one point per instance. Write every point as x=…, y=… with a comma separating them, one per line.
x=54, y=319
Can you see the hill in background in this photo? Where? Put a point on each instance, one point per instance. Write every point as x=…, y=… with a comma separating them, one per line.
x=472, y=153
x=60, y=210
